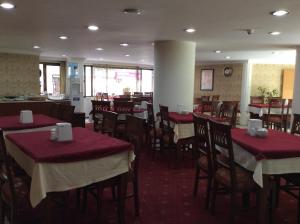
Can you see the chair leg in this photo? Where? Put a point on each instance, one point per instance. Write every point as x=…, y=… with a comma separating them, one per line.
x=232, y=207
x=136, y=197
x=213, y=198
x=298, y=209
x=196, y=180
x=246, y=200
x=208, y=192
x=2, y=212
x=84, y=200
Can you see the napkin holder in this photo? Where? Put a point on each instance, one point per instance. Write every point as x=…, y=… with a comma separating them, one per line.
x=26, y=117
x=253, y=126
x=64, y=132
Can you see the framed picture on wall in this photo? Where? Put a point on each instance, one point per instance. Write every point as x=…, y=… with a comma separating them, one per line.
x=207, y=79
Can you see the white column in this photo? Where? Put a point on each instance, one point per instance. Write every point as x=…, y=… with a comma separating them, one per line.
x=296, y=96
x=245, y=92
x=174, y=74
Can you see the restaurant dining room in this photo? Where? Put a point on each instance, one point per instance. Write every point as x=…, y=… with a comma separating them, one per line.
x=160, y=112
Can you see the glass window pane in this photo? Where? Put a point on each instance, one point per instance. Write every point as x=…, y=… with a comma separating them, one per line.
x=88, y=80
x=53, y=79
x=41, y=67
x=121, y=80
x=147, y=80
x=99, y=80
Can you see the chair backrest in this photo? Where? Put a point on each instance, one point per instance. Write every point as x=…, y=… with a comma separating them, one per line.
x=229, y=111
x=54, y=110
x=9, y=169
x=288, y=106
x=148, y=94
x=104, y=96
x=127, y=93
x=216, y=108
x=123, y=98
x=151, y=116
x=257, y=99
x=135, y=131
x=296, y=125
x=276, y=102
x=109, y=123
x=66, y=112
x=122, y=107
x=206, y=106
x=221, y=142
x=215, y=97
x=99, y=107
x=137, y=93
x=204, y=98
x=202, y=142
x=164, y=119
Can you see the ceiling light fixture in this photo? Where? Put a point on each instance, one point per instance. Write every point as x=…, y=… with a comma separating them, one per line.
x=63, y=37
x=36, y=47
x=124, y=44
x=218, y=51
x=63, y=55
x=99, y=49
x=132, y=11
x=7, y=5
x=101, y=59
x=227, y=57
x=279, y=13
x=127, y=55
x=93, y=27
x=274, y=33
x=190, y=30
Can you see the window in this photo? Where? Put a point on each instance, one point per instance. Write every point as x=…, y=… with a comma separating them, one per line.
x=50, y=78
x=116, y=81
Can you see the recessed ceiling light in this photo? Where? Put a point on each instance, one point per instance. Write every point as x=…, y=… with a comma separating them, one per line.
x=142, y=60
x=124, y=44
x=63, y=55
x=275, y=33
x=227, y=57
x=190, y=30
x=93, y=27
x=36, y=47
x=99, y=49
x=7, y=5
x=101, y=59
x=127, y=55
x=218, y=51
x=280, y=12
x=63, y=37
x=132, y=11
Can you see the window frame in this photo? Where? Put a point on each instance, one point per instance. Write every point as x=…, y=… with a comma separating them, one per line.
x=45, y=71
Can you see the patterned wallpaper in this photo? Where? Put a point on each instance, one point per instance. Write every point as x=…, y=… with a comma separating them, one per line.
x=229, y=88
x=267, y=75
x=19, y=74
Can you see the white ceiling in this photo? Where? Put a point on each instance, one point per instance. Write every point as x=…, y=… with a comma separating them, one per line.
x=219, y=26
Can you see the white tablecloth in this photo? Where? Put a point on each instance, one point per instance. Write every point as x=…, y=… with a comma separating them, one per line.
x=185, y=130
x=264, y=110
x=55, y=177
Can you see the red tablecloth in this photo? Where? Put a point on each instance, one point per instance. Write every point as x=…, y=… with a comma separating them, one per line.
x=258, y=105
x=181, y=118
x=39, y=120
x=86, y=145
x=277, y=145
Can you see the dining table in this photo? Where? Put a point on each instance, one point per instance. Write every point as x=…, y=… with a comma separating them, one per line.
x=277, y=153
x=259, y=109
x=61, y=166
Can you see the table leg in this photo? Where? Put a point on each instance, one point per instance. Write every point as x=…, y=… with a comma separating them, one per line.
x=122, y=190
x=263, y=209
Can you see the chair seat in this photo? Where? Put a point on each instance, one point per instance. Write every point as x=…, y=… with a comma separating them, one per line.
x=275, y=119
x=244, y=178
x=158, y=132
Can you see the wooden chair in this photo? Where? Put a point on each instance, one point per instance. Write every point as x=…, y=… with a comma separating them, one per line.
x=215, y=97
x=257, y=99
x=292, y=181
x=229, y=112
x=14, y=203
x=98, y=108
x=275, y=121
x=227, y=175
x=154, y=134
x=203, y=164
x=109, y=123
x=216, y=108
x=287, y=118
x=66, y=112
x=123, y=98
x=104, y=97
x=54, y=110
x=205, y=98
x=122, y=108
x=135, y=130
x=138, y=94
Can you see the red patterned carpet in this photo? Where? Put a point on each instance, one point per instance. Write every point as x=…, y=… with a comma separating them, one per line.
x=166, y=198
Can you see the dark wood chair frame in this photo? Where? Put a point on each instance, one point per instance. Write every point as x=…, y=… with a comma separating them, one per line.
x=98, y=107
x=154, y=141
